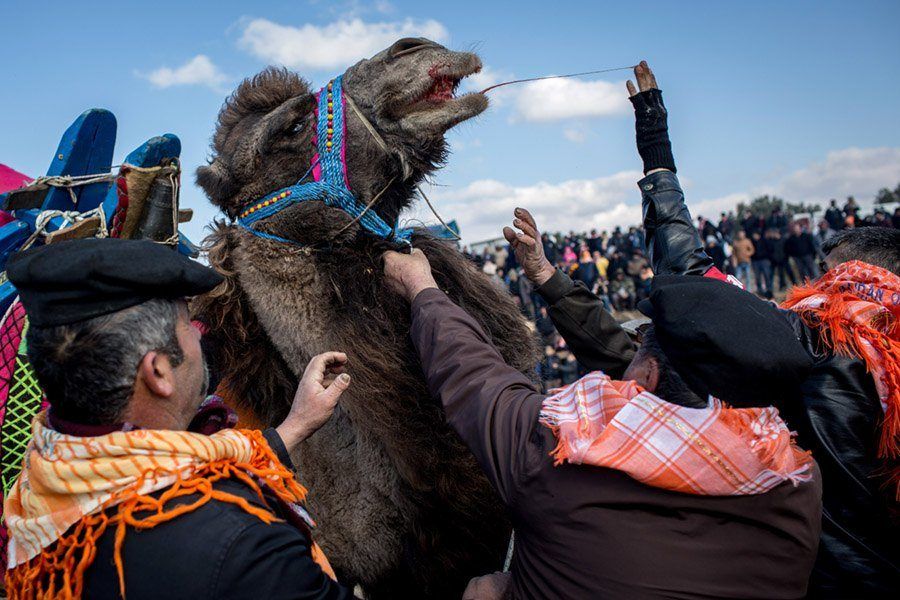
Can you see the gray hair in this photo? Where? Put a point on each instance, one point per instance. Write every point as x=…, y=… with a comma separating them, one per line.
x=87, y=370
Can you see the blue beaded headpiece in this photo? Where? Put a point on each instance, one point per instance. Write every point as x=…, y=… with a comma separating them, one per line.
x=329, y=170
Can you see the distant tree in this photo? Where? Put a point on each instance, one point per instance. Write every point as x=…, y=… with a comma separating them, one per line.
x=761, y=206
x=886, y=196
x=803, y=207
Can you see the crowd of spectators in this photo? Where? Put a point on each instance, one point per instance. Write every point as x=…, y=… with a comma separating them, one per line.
x=766, y=252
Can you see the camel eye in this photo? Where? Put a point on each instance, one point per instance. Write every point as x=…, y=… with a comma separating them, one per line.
x=408, y=46
x=302, y=124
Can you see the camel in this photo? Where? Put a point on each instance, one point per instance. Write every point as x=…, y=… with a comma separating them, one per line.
x=402, y=508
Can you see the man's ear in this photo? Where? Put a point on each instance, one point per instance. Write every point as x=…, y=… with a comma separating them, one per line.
x=651, y=374
x=644, y=369
x=157, y=374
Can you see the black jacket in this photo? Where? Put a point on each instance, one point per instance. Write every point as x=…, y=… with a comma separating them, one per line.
x=762, y=249
x=216, y=551
x=837, y=417
x=838, y=420
x=779, y=255
x=835, y=218
x=800, y=245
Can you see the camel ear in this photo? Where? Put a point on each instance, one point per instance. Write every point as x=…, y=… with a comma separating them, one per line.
x=286, y=123
x=217, y=182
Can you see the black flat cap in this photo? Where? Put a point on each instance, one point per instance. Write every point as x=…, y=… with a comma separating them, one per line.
x=72, y=281
x=725, y=341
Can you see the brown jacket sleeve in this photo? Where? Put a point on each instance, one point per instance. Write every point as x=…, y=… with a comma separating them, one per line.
x=493, y=407
x=594, y=336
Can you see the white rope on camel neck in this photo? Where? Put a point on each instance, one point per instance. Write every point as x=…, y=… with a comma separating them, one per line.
x=406, y=170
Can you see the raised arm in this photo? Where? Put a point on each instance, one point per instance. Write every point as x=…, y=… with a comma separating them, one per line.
x=594, y=336
x=673, y=243
x=493, y=407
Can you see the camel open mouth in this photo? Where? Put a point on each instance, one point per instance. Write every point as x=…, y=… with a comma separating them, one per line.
x=442, y=83
x=443, y=88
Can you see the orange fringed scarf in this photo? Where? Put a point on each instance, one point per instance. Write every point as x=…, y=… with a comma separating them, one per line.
x=713, y=451
x=58, y=508
x=855, y=307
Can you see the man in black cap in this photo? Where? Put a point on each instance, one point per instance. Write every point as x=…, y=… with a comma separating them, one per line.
x=643, y=487
x=118, y=494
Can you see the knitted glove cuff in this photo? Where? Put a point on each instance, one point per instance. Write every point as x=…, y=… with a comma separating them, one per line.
x=657, y=155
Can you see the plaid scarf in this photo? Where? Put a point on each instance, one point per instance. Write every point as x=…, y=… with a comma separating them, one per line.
x=69, y=482
x=714, y=451
x=855, y=307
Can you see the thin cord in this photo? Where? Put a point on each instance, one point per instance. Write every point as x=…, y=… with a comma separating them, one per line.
x=365, y=210
x=446, y=227
x=487, y=89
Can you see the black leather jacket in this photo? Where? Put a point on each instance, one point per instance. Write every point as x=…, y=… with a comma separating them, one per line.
x=837, y=418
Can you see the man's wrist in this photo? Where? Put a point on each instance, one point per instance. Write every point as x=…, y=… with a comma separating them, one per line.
x=418, y=288
x=544, y=274
x=292, y=434
x=273, y=438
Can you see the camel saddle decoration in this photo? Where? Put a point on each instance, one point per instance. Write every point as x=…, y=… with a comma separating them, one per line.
x=312, y=185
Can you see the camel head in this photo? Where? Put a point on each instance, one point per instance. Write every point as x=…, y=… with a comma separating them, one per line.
x=263, y=138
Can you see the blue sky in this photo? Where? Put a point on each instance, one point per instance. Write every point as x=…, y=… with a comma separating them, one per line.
x=794, y=98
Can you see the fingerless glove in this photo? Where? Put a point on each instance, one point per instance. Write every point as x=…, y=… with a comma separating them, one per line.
x=652, y=131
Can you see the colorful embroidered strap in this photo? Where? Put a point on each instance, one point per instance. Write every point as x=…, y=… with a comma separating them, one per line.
x=20, y=400
x=20, y=395
x=329, y=170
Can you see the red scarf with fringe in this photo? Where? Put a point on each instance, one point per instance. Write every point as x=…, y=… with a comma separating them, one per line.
x=59, y=506
x=855, y=307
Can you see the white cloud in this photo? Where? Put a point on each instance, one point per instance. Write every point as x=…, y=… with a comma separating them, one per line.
x=384, y=7
x=200, y=70
x=575, y=135
x=555, y=99
x=551, y=99
x=483, y=207
x=858, y=172
x=851, y=171
x=330, y=46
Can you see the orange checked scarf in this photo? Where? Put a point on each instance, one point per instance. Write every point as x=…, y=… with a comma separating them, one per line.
x=57, y=509
x=855, y=307
x=714, y=451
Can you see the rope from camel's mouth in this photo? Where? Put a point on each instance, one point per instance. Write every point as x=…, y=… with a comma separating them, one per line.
x=329, y=170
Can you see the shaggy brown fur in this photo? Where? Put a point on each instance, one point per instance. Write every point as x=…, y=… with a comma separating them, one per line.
x=401, y=505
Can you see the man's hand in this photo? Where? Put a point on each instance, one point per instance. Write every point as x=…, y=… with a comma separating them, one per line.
x=645, y=78
x=488, y=587
x=321, y=386
x=528, y=247
x=651, y=121
x=408, y=274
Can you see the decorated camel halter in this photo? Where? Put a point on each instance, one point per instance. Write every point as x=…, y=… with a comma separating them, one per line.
x=329, y=171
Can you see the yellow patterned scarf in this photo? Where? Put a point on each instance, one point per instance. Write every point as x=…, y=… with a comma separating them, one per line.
x=58, y=508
